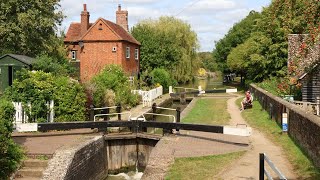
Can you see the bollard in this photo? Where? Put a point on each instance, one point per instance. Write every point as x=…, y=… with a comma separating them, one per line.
x=91, y=117
x=154, y=110
x=118, y=109
x=178, y=116
x=261, y=166
x=170, y=90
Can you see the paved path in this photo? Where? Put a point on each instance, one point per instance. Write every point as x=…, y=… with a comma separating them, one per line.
x=247, y=166
x=190, y=144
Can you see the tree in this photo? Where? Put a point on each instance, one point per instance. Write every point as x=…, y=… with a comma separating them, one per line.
x=10, y=153
x=247, y=60
x=29, y=27
x=239, y=33
x=168, y=43
x=208, y=62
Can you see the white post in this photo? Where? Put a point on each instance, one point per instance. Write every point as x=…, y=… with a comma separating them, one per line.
x=170, y=90
x=284, y=122
x=51, y=111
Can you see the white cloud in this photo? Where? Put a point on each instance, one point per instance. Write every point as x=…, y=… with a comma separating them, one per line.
x=210, y=19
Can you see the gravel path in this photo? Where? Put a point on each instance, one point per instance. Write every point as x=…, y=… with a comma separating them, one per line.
x=247, y=167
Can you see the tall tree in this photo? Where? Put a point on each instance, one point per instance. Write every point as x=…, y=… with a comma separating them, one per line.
x=29, y=27
x=237, y=35
x=168, y=43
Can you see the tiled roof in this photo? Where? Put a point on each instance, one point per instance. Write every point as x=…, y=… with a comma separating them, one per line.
x=122, y=33
x=74, y=32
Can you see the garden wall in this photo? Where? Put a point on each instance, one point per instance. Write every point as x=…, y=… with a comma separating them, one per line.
x=303, y=127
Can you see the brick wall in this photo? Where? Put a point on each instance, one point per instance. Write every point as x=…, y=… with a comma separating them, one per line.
x=303, y=127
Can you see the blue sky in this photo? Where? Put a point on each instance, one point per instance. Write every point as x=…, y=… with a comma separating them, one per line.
x=210, y=19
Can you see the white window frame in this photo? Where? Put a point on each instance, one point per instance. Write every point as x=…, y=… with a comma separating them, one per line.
x=136, y=54
x=128, y=52
x=73, y=55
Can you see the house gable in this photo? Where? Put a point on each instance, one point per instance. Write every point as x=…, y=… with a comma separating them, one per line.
x=100, y=31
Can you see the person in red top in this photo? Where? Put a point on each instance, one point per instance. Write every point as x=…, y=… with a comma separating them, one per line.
x=247, y=100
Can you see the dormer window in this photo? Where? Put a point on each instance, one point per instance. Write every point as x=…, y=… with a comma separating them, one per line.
x=128, y=52
x=73, y=55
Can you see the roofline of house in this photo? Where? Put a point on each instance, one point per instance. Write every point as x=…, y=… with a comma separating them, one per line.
x=92, y=41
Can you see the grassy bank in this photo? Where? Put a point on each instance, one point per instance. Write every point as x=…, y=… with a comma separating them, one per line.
x=259, y=119
x=209, y=111
x=206, y=167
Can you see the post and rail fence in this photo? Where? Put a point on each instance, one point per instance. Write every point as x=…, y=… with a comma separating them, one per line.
x=263, y=171
x=149, y=96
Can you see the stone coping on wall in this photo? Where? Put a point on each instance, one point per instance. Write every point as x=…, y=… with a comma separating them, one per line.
x=315, y=119
x=62, y=159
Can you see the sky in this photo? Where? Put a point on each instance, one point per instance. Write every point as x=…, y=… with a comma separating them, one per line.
x=210, y=19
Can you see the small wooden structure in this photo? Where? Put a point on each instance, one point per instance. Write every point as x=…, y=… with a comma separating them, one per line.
x=9, y=65
x=310, y=85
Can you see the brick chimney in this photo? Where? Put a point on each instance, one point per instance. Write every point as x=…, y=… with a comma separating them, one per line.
x=122, y=18
x=84, y=20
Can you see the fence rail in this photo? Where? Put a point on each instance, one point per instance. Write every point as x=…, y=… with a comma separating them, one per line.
x=149, y=96
x=263, y=171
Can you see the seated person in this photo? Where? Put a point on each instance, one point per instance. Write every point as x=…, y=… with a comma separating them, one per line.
x=246, y=101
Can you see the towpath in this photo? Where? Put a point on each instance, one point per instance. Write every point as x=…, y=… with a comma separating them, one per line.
x=247, y=166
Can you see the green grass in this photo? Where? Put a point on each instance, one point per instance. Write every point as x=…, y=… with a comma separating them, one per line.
x=209, y=111
x=206, y=167
x=259, y=119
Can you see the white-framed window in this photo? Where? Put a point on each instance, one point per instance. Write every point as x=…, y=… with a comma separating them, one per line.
x=136, y=54
x=128, y=52
x=74, y=55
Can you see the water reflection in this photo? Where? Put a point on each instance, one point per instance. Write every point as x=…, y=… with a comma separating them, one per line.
x=132, y=175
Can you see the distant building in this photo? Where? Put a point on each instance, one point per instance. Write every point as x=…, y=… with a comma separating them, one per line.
x=95, y=45
x=9, y=65
x=302, y=56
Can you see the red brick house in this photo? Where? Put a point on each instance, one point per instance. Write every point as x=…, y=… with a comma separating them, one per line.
x=95, y=45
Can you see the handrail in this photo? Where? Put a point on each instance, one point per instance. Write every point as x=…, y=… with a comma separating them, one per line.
x=174, y=118
x=171, y=109
x=111, y=107
x=263, y=171
x=98, y=115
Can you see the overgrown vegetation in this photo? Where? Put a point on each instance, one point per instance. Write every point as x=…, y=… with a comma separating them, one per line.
x=110, y=87
x=259, y=119
x=29, y=27
x=257, y=46
x=199, y=168
x=10, y=153
x=163, y=78
x=38, y=88
x=168, y=43
x=209, y=111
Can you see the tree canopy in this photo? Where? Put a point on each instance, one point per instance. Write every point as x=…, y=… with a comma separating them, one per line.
x=257, y=45
x=168, y=43
x=29, y=27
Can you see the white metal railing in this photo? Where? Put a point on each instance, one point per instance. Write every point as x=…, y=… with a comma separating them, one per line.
x=263, y=171
x=99, y=115
x=309, y=106
x=149, y=96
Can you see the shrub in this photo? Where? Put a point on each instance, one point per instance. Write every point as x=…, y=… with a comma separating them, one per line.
x=38, y=88
x=10, y=153
x=162, y=77
x=112, y=79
